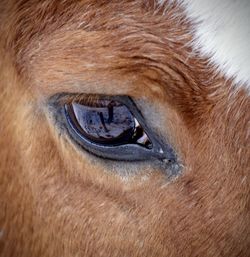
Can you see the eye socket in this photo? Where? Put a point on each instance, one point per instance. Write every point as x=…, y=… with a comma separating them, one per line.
x=107, y=122
x=112, y=128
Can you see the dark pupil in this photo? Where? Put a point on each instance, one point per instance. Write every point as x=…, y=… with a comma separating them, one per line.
x=104, y=122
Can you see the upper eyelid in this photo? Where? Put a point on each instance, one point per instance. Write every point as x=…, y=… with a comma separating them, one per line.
x=65, y=98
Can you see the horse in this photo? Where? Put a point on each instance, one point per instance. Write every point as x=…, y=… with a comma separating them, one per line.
x=124, y=128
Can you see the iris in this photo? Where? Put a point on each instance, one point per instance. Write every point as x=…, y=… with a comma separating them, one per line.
x=107, y=122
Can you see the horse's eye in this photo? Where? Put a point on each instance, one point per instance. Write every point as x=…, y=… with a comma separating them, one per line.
x=106, y=122
x=113, y=128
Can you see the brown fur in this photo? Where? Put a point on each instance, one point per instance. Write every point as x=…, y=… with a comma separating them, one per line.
x=58, y=201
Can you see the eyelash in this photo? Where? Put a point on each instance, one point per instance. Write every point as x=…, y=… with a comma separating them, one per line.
x=88, y=99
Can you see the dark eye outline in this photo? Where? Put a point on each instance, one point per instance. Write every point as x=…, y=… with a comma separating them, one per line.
x=127, y=152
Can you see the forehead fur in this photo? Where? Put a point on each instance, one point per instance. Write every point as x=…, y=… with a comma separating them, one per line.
x=32, y=19
x=221, y=27
x=222, y=32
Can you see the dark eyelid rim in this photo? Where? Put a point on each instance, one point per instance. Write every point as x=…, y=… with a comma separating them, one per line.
x=160, y=150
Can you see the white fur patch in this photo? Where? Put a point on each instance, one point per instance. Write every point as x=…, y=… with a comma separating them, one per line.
x=223, y=33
